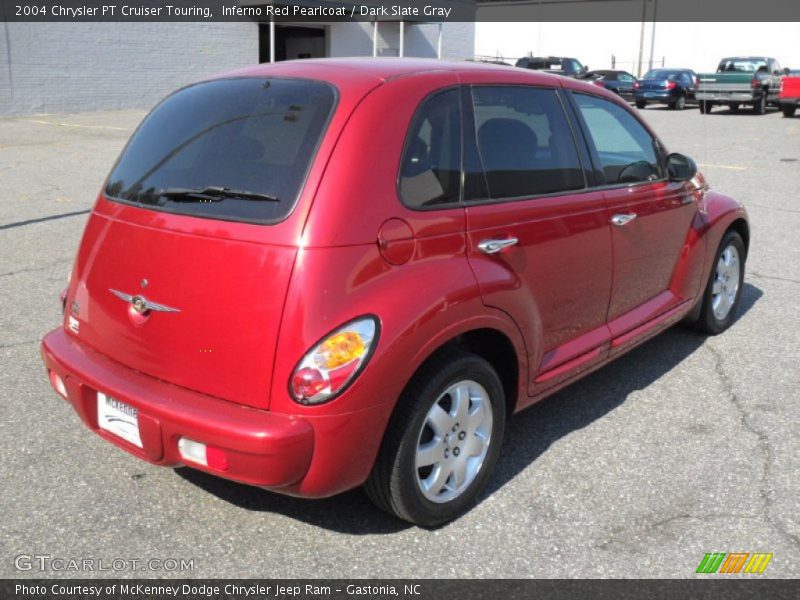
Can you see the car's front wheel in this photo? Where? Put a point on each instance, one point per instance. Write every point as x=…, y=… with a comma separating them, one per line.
x=723, y=292
x=788, y=110
x=442, y=442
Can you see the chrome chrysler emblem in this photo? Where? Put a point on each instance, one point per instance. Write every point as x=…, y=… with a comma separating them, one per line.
x=141, y=304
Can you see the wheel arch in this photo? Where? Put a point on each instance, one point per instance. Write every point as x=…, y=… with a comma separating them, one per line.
x=741, y=227
x=496, y=348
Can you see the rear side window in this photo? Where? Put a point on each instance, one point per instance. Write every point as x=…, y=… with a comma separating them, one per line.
x=252, y=136
x=524, y=141
x=626, y=150
x=430, y=174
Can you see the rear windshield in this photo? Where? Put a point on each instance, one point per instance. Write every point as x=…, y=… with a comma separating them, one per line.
x=662, y=74
x=254, y=137
x=742, y=65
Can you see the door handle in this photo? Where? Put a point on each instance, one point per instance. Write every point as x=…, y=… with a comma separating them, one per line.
x=494, y=246
x=623, y=219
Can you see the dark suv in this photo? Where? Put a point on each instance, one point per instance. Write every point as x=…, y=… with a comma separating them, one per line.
x=560, y=65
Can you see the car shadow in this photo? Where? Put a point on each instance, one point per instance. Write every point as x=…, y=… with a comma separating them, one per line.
x=528, y=435
x=745, y=111
x=665, y=107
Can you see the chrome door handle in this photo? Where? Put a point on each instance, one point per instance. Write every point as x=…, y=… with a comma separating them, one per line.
x=623, y=219
x=494, y=246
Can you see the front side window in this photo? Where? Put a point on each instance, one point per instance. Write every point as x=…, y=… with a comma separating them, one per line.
x=229, y=149
x=524, y=142
x=626, y=150
x=430, y=174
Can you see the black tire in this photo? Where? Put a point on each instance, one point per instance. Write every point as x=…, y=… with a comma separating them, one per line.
x=680, y=103
x=734, y=107
x=392, y=484
x=788, y=110
x=641, y=104
x=707, y=322
x=705, y=107
x=760, y=107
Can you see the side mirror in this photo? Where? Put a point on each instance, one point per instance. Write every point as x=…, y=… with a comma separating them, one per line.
x=680, y=167
x=786, y=70
x=585, y=68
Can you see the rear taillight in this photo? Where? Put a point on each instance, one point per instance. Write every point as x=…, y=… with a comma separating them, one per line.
x=599, y=83
x=755, y=83
x=636, y=85
x=671, y=85
x=327, y=370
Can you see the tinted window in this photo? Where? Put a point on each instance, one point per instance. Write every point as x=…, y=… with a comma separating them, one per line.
x=626, y=78
x=662, y=74
x=524, y=142
x=626, y=150
x=255, y=135
x=431, y=164
x=741, y=65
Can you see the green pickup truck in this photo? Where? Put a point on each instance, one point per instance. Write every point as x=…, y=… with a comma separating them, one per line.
x=751, y=80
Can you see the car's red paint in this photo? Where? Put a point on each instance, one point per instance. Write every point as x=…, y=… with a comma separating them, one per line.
x=254, y=299
x=790, y=87
x=789, y=95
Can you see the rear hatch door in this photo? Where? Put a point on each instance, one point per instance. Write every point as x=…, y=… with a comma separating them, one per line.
x=184, y=266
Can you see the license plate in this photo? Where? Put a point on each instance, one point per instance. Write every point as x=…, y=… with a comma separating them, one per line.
x=649, y=94
x=118, y=418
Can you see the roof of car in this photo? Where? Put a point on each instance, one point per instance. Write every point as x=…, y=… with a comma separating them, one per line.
x=382, y=68
x=362, y=73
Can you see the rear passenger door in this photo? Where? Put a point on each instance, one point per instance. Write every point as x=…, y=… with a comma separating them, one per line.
x=538, y=240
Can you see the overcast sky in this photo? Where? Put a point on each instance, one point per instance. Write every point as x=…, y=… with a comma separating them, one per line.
x=697, y=46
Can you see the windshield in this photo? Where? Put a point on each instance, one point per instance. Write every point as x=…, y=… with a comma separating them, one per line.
x=742, y=65
x=251, y=135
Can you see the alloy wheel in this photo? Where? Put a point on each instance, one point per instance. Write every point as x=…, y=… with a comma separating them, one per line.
x=726, y=282
x=454, y=441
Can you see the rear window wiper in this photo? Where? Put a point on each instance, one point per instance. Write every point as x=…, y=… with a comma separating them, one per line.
x=213, y=194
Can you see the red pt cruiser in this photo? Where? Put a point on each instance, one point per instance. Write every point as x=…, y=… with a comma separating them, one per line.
x=315, y=275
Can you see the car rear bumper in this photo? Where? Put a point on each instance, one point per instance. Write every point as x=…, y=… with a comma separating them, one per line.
x=655, y=97
x=261, y=448
x=741, y=97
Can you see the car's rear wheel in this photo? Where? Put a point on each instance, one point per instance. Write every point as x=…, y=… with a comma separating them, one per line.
x=734, y=107
x=442, y=442
x=723, y=292
x=680, y=103
x=788, y=110
x=705, y=107
x=760, y=107
x=641, y=104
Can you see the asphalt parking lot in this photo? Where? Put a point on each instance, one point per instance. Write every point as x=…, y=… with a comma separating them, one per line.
x=685, y=446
